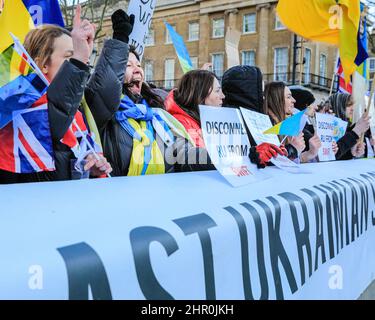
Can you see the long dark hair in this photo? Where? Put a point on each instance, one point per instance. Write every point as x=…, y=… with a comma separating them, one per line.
x=151, y=97
x=194, y=87
x=274, y=101
x=339, y=102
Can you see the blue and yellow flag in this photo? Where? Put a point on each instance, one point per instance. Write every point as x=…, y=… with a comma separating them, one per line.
x=181, y=51
x=331, y=21
x=362, y=47
x=291, y=126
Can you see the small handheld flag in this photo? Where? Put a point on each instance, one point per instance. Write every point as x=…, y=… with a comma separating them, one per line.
x=291, y=126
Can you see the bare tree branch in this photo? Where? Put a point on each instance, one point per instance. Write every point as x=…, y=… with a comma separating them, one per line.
x=100, y=26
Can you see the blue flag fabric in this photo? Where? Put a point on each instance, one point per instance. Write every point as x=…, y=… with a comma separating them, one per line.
x=362, y=42
x=50, y=10
x=19, y=94
x=291, y=126
x=181, y=51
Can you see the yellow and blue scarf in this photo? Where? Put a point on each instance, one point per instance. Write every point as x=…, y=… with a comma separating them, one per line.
x=139, y=121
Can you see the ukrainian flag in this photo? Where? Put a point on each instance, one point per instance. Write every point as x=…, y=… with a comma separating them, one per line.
x=292, y=126
x=181, y=50
x=319, y=20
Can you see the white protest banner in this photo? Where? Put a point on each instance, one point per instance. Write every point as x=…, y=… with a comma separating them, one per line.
x=143, y=11
x=232, y=40
x=193, y=237
x=257, y=124
x=325, y=129
x=226, y=140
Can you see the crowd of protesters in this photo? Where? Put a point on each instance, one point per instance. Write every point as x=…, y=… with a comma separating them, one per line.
x=148, y=131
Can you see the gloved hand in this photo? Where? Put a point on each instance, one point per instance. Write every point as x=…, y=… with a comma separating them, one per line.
x=262, y=154
x=122, y=25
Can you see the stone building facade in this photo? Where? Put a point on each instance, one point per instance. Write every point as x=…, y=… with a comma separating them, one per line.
x=264, y=42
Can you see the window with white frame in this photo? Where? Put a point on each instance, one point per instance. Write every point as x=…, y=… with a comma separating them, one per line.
x=249, y=23
x=307, y=66
x=194, y=61
x=193, y=31
x=149, y=71
x=150, y=37
x=169, y=74
x=372, y=64
x=323, y=70
x=218, y=64
x=281, y=61
x=168, y=38
x=248, y=58
x=218, y=28
x=278, y=24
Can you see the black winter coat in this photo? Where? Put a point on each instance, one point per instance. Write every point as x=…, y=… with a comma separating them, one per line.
x=103, y=95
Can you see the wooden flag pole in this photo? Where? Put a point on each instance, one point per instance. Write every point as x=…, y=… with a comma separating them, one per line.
x=332, y=83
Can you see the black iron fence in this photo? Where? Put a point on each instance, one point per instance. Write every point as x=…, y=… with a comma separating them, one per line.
x=309, y=80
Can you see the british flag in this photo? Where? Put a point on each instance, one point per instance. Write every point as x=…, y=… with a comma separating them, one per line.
x=25, y=143
x=343, y=87
x=79, y=139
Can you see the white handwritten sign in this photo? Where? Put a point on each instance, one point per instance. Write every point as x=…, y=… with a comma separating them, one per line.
x=143, y=11
x=226, y=140
x=325, y=127
x=257, y=124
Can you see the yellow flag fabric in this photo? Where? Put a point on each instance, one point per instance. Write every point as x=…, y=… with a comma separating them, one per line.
x=16, y=19
x=274, y=130
x=329, y=21
x=91, y=122
x=156, y=164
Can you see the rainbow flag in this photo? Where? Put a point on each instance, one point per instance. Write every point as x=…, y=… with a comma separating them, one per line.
x=291, y=126
x=181, y=51
x=28, y=86
x=16, y=19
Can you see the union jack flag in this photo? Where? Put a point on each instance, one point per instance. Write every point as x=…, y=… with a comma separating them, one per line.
x=343, y=86
x=25, y=142
x=79, y=139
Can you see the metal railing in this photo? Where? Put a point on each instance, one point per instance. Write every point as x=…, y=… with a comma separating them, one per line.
x=309, y=80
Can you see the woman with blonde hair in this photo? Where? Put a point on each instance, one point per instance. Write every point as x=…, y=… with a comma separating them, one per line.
x=63, y=59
